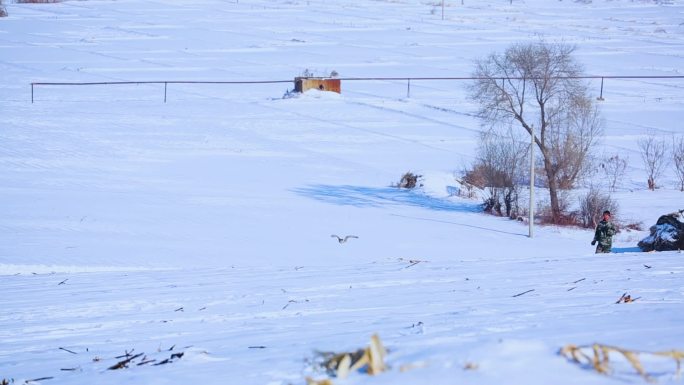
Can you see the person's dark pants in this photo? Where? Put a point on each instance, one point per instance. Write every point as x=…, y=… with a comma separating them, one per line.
x=602, y=249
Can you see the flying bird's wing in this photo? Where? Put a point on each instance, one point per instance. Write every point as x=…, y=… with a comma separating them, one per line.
x=335, y=236
x=350, y=236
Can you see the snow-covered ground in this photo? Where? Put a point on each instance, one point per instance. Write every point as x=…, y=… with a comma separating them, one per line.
x=204, y=224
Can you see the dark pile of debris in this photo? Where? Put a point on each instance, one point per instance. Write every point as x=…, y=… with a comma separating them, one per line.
x=666, y=234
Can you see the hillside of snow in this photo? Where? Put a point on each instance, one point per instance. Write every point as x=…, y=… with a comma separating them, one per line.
x=202, y=224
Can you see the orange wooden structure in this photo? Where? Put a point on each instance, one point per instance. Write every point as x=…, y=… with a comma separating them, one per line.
x=303, y=84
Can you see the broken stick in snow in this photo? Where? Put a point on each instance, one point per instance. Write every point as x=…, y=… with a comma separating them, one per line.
x=145, y=361
x=524, y=292
x=170, y=359
x=38, y=379
x=124, y=363
x=413, y=262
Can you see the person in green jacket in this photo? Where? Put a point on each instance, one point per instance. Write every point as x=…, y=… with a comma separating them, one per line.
x=604, y=234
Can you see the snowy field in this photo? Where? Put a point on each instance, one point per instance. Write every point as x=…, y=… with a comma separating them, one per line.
x=203, y=225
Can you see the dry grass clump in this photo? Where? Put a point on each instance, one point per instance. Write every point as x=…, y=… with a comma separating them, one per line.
x=36, y=1
x=599, y=358
x=340, y=365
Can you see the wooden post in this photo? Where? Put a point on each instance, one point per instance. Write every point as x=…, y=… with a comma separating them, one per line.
x=165, y=84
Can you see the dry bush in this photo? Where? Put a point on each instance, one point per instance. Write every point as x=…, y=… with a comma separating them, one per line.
x=467, y=190
x=614, y=168
x=637, y=226
x=653, y=151
x=340, y=365
x=678, y=159
x=500, y=166
x=492, y=205
x=600, y=361
x=592, y=205
x=567, y=217
x=476, y=176
x=37, y=1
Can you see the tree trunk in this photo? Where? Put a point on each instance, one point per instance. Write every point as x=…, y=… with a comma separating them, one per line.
x=555, y=202
x=553, y=189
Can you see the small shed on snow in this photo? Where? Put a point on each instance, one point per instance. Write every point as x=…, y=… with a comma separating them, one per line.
x=324, y=84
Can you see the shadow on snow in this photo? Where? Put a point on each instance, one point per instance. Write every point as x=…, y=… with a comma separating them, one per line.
x=358, y=196
x=365, y=197
x=626, y=250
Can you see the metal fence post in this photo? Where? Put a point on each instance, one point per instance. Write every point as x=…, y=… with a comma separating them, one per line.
x=31, y=93
x=165, y=83
x=408, y=88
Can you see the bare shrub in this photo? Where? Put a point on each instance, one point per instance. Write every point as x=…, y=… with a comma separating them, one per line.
x=592, y=205
x=476, y=176
x=678, y=159
x=637, y=226
x=614, y=168
x=492, y=204
x=567, y=217
x=500, y=167
x=36, y=1
x=653, y=151
x=537, y=86
x=466, y=190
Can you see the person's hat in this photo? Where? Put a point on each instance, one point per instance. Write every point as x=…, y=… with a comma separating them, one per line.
x=606, y=212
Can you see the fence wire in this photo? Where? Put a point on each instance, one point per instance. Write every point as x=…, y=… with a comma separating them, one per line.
x=408, y=81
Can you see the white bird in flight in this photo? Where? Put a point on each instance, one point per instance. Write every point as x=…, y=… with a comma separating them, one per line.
x=343, y=240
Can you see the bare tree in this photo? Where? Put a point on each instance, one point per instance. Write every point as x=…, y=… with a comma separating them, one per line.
x=537, y=86
x=678, y=159
x=592, y=206
x=501, y=160
x=614, y=168
x=653, y=152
